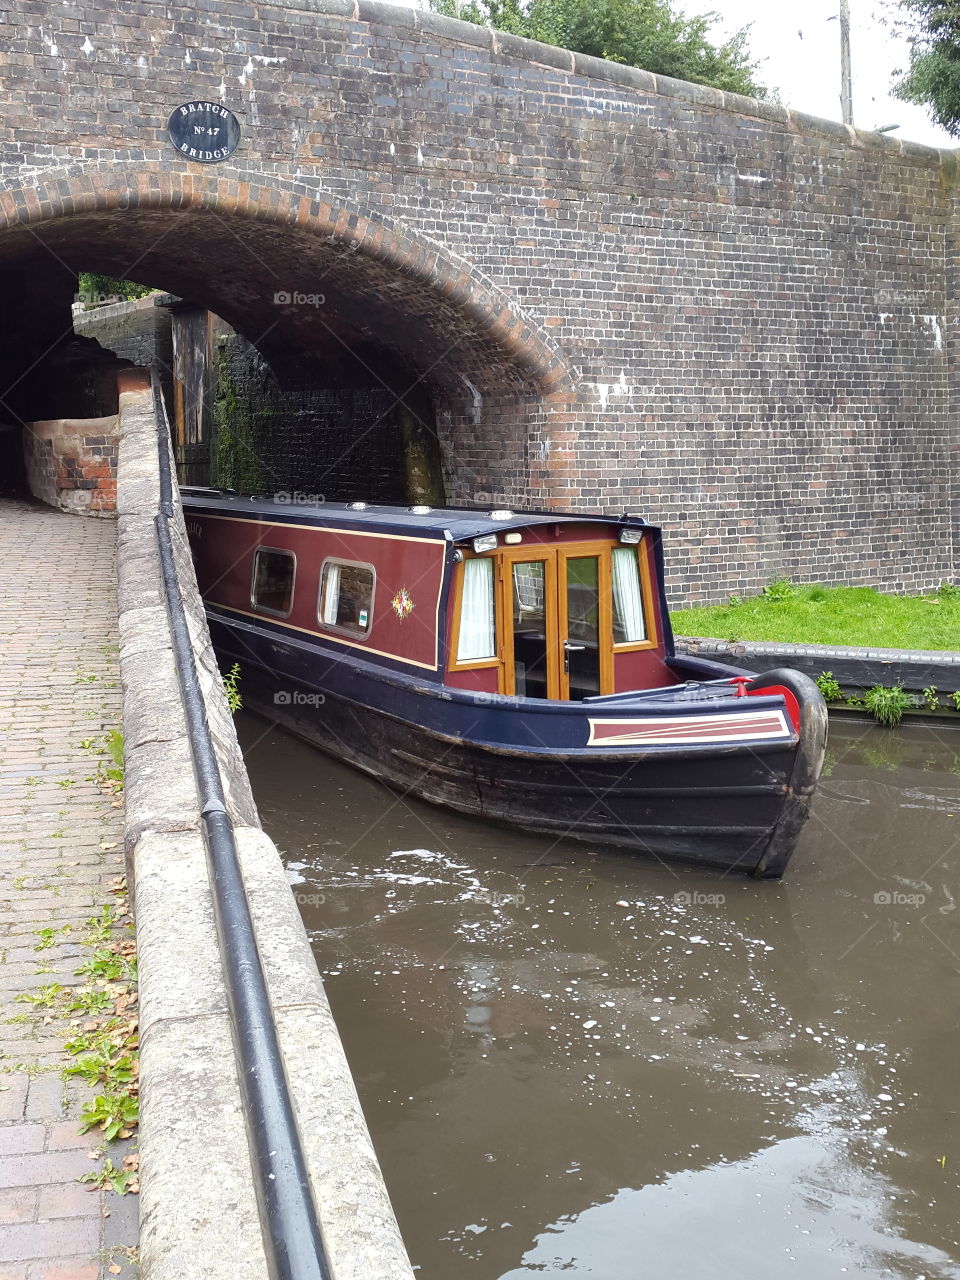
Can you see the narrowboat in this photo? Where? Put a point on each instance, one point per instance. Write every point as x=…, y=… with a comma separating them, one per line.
x=517, y=666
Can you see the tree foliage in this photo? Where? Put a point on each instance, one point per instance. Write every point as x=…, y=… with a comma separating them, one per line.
x=932, y=28
x=639, y=33
x=96, y=289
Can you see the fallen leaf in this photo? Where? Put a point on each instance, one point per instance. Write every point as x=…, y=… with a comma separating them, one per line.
x=114, y=1270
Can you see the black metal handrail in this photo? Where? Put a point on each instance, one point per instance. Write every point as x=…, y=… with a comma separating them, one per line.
x=292, y=1238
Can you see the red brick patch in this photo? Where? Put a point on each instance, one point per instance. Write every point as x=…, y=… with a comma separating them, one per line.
x=68, y=1200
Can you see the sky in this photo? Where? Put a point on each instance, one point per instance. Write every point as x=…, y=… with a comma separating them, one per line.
x=798, y=48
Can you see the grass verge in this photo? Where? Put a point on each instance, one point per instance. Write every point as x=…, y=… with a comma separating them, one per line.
x=831, y=615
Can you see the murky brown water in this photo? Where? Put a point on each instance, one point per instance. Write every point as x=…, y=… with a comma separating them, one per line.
x=593, y=1066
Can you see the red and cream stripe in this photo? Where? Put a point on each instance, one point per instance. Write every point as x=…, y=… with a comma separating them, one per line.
x=745, y=726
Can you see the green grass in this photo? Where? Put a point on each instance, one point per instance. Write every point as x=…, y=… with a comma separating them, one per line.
x=831, y=615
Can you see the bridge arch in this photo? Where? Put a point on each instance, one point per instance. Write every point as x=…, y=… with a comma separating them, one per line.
x=309, y=276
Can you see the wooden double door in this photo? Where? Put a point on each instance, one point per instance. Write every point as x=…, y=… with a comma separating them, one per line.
x=555, y=606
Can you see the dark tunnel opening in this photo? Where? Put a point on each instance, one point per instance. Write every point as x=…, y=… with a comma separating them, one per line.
x=293, y=362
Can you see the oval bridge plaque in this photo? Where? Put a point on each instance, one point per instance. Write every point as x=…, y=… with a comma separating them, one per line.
x=204, y=131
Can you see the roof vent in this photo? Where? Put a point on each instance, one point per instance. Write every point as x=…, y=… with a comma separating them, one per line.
x=421, y=510
x=503, y=514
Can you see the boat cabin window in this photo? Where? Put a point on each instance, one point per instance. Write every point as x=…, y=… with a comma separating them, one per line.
x=478, y=637
x=273, y=575
x=346, y=597
x=628, y=622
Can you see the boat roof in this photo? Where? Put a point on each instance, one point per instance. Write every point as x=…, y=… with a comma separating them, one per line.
x=457, y=523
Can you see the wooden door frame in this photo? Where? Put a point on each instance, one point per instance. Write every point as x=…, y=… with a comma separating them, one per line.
x=601, y=553
x=506, y=560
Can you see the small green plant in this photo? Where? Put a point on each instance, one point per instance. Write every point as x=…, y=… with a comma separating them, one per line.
x=100, y=1068
x=119, y=1178
x=115, y=1114
x=100, y=926
x=87, y=1002
x=955, y=698
x=104, y=965
x=230, y=680
x=43, y=997
x=818, y=594
x=948, y=591
x=829, y=687
x=110, y=777
x=887, y=703
x=101, y=1023
x=780, y=589
x=114, y=1038
x=113, y=741
x=931, y=699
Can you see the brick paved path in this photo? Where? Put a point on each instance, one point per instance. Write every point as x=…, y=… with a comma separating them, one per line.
x=59, y=684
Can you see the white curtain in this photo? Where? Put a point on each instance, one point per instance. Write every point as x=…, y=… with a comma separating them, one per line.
x=628, y=627
x=477, y=633
x=331, y=594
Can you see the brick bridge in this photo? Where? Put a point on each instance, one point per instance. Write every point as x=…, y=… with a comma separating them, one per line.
x=611, y=289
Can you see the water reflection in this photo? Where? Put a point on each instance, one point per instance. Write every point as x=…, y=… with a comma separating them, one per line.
x=573, y=1061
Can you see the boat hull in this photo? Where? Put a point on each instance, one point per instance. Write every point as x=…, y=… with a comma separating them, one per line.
x=724, y=805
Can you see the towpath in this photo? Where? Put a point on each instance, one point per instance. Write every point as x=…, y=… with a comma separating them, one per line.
x=61, y=852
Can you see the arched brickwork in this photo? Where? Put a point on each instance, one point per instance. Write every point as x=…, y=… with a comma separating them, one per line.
x=241, y=246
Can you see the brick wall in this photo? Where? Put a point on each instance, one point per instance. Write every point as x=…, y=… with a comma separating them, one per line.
x=138, y=330
x=341, y=444
x=72, y=464
x=619, y=290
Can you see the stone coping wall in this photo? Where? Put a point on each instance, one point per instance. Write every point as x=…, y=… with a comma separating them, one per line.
x=71, y=463
x=198, y=1210
x=854, y=667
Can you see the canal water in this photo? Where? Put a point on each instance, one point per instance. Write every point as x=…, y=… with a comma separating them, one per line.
x=577, y=1062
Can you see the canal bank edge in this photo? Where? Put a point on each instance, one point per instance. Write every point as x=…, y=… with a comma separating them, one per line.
x=198, y=1211
x=854, y=668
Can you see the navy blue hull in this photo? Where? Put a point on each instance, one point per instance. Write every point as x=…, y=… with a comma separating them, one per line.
x=526, y=762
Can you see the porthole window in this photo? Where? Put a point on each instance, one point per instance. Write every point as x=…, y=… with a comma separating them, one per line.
x=346, y=597
x=273, y=575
